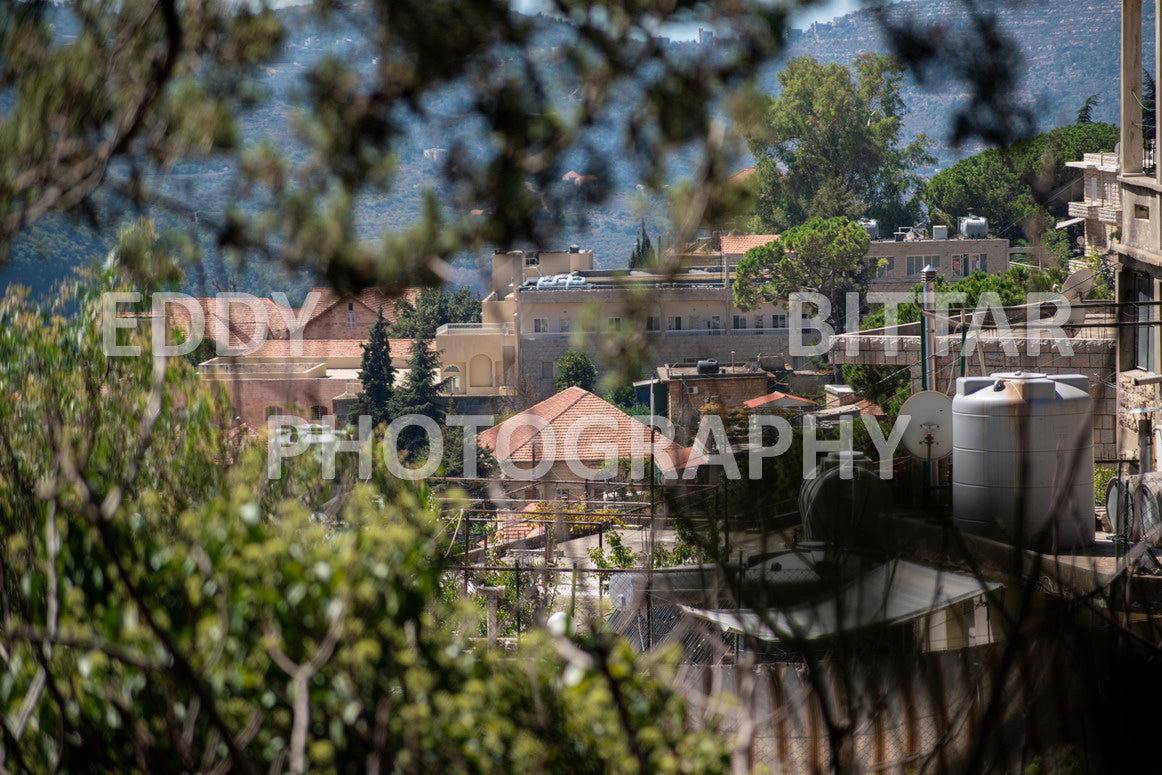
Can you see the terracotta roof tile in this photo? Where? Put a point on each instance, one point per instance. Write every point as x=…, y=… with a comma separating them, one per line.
x=738, y=244
x=372, y=298
x=596, y=425
x=776, y=398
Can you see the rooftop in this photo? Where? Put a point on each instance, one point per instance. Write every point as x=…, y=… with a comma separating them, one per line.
x=597, y=426
x=738, y=244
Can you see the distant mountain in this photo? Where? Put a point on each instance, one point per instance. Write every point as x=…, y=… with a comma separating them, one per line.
x=1070, y=50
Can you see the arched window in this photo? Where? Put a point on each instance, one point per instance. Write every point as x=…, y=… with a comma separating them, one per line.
x=452, y=383
x=480, y=371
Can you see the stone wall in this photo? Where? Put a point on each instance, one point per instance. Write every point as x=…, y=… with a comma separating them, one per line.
x=1095, y=358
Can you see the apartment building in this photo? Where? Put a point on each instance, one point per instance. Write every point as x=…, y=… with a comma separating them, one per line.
x=900, y=261
x=1101, y=207
x=541, y=304
x=1138, y=244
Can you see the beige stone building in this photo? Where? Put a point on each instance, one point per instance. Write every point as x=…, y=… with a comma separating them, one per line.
x=1101, y=206
x=1137, y=242
x=900, y=261
x=541, y=304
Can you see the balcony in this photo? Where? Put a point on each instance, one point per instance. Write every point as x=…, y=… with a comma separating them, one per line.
x=475, y=329
x=1111, y=215
x=1086, y=210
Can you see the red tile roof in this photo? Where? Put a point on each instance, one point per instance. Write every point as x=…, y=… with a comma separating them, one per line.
x=738, y=244
x=775, y=398
x=743, y=174
x=372, y=298
x=239, y=321
x=571, y=410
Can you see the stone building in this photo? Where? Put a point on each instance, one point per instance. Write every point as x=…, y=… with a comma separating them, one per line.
x=1137, y=241
x=1101, y=206
x=571, y=429
x=542, y=304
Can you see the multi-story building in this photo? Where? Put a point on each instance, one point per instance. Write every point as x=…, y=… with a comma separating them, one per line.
x=1101, y=206
x=1137, y=241
x=901, y=260
x=541, y=304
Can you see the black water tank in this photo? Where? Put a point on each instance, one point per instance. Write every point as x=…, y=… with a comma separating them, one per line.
x=708, y=366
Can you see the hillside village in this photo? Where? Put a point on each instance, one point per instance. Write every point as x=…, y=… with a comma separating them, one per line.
x=852, y=464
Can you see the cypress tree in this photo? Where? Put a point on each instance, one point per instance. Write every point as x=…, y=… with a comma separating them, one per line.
x=419, y=394
x=377, y=374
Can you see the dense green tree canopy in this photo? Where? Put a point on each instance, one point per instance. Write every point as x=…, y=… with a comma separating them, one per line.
x=168, y=607
x=433, y=308
x=830, y=145
x=575, y=368
x=823, y=254
x=1018, y=187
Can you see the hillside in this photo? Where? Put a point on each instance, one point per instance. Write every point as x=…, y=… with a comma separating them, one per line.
x=1069, y=52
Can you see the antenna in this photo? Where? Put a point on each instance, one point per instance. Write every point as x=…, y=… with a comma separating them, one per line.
x=929, y=432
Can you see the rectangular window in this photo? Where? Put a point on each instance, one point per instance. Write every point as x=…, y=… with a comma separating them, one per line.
x=881, y=265
x=652, y=323
x=1145, y=335
x=739, y=321
x=565, y=325
x=547, y=369
x=614, y=324
x=674, y=323
x=915, y=264
x=540, y=325
x=1142, y=212
x=960, y=265
x=980, y=262
x=532, y=260
x=350, y=319
x=716, y=322
x=758, y=321
x=778, y=321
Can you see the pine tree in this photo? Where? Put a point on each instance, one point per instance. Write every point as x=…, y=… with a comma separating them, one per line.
x=377, y=374
x=419, y=394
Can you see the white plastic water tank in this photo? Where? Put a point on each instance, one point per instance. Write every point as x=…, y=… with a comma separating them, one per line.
x=1022, y=458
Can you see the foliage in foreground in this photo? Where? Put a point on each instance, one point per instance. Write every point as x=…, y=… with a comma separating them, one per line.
x=166, y=606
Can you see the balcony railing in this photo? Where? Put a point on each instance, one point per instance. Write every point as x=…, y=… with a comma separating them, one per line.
x=1085, y=210
x=474, y=328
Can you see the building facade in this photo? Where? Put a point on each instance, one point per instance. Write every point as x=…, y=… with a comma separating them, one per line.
x=1137, y=242
x=1101, y=205
x=898, y=262
x=540, y=305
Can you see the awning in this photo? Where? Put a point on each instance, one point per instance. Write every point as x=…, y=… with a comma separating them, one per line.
x=1067, y=223
x=893, y=593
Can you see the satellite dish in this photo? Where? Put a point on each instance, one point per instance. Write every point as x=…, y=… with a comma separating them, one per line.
x=1078, y=285
x=929, y=432
x=1075, y=288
